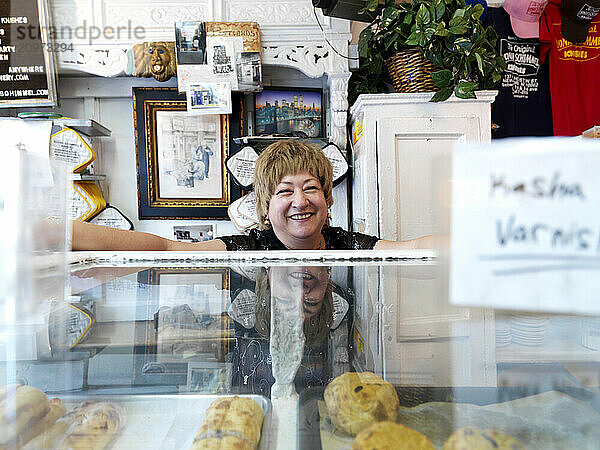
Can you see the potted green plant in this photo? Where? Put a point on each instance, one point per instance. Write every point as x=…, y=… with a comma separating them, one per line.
x=460, y=52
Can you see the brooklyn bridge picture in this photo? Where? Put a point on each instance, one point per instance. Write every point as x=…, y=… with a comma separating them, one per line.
x=296, y=112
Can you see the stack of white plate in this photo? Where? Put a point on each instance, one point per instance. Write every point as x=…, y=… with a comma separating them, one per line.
x=590, y=333
x=503, y=337
x=529, y=330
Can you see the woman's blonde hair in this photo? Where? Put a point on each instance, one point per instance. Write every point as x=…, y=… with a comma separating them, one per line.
x=288, y=157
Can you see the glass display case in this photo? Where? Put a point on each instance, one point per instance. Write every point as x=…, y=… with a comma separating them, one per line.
x=290, y=350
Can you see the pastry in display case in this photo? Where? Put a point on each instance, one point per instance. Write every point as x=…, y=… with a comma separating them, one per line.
x=356, y=400
x=210, y=352
x=390, y=435
x=230, y=422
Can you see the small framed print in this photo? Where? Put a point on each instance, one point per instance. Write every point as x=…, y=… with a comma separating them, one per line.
x=293, y=112
x=209, y=377
x=193, y=233
x=180, y=158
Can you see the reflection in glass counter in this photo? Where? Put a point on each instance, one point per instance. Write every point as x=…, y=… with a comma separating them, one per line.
x=168, y=341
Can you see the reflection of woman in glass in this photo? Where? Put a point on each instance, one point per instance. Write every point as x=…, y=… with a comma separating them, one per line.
x=293, y=315
x=285, y=285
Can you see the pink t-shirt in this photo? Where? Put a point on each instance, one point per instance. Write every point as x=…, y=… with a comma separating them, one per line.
x=574, y=74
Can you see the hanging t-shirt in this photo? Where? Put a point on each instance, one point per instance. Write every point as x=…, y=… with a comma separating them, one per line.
x=522, y=106
x=574, y=74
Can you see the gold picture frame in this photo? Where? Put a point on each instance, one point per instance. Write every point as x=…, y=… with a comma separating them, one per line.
x=180, y=158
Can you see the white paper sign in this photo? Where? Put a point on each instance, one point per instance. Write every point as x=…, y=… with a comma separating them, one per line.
x=525, y=228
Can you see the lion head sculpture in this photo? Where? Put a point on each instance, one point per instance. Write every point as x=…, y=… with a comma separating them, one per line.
x=155, y=59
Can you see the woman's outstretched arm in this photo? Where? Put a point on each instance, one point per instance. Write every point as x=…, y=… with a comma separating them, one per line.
x=425, y=242
x=87, y=236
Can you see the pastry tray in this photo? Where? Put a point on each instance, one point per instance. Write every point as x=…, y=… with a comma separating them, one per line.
x=309, y=436
x=166, y=421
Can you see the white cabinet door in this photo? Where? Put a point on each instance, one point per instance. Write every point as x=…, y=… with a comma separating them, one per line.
x=408, y=151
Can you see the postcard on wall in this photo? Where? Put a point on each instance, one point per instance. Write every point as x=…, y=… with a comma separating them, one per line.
x=219, y=51
x=221, y=58
x=190, y=43
x=249, y=71
x=208, y=98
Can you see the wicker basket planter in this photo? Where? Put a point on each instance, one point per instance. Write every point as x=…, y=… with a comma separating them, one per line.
x=410, y=71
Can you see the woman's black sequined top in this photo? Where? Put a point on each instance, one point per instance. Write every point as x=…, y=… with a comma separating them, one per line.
x=336, y=238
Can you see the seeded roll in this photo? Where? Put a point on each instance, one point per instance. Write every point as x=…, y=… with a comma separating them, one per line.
x=356, y=400
x=391, y=436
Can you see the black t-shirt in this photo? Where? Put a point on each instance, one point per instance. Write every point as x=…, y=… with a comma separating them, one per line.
x=522, y=106
x=335, y=239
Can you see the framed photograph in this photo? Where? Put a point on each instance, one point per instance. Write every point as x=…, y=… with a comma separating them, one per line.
x=180, y=158
x=293, y=112
x=189, y=311
x=193, y=233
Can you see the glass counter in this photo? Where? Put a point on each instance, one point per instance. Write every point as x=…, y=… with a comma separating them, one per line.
x=146, y=343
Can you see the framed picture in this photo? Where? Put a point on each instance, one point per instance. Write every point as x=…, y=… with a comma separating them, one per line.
x=209, y=377
x=193, y=233
x=205, y=291
x=293, y=112
x=180, y=158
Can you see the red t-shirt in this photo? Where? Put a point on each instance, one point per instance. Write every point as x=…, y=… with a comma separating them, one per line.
x=574, y=74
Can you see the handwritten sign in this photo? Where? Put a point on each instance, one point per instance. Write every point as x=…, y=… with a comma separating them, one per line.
x=27, y=68
x=525, y=230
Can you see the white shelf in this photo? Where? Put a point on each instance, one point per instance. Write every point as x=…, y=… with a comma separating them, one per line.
x=88, y=127
x=88, y=177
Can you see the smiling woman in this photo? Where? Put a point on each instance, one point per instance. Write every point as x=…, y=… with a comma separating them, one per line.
x=293, y=185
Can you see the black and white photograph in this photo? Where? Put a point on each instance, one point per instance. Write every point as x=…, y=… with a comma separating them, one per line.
x=189, y=155
x=249, y=72
x=222, y=59
x=193, y=233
